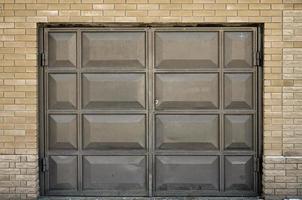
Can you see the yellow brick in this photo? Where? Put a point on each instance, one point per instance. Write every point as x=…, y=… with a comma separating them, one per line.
x=25, y=13
x=260, y=19
x=215, y=19
x=136, y=13
x=170, y=6
x=114, y=1
x=102, y=19
x=183, y=13
x=192, y=19
x=114, y=13
x=125, y=6
x=192, y=6
x=47, y=13
x=249, y=1
x=237, y=6
x=181, y=1
x=81, y=6
x=244, y=13
x=103, y=6
x=148, y=19
x=9, y=6
x=237, y=19
x=271, y=1
x=226, y=1
x=148, y=6
x=214, y=6
x=69, y=13
x=225, y=13
x=80, y=19
x=91, y=13
x=259, y=6
x=170, y=19
x=159, y=13
x=271, y=13
x=204, y=13
x=37, y=6
x=60, y=6
x=159, y=1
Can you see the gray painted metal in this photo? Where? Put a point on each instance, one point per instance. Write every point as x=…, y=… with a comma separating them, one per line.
x=150, y=111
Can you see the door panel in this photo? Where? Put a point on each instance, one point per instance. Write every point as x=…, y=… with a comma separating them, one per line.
x=186, y=91
x=238, y=132
x=113, y=49
x=63, y=132
x=187, y=132
x=150, y=111
x=238, y=90
x=62, y=49
x=238, y=47
x=119, y=173
x=62, y=91
x=186, y=173
x=182, y=50
x=113, y=91
x=239, y=173
x=108, y=132
x=63, y=173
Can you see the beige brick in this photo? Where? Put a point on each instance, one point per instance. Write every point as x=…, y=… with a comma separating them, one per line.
x=103, y=6
x=260, y=6
x=237, y=6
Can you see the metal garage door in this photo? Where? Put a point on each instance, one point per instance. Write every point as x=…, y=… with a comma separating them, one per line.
x=150, y=111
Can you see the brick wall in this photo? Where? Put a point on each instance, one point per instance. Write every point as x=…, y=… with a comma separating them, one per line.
x=282, y=86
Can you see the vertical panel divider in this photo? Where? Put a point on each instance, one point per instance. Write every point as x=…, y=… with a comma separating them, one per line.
x=150, y=91
x=42, y=120
x=221, y=106
x=79, y=113
x=45, y=73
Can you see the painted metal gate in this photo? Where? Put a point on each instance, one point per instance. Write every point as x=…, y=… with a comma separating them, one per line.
x=150, y=111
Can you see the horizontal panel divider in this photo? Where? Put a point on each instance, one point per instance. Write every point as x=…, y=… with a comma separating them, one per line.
x=210, y=112
x=206, y=70
x=84, y=70
x=145, y=70
x=122, y=112
x=203, y=153
x=98, y=153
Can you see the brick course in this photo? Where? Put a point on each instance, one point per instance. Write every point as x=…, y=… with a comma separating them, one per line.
x=282, y=165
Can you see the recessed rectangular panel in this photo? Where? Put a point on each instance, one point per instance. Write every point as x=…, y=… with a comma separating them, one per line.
x=238, y=132
x=114, y=173
x=62, y=49
x=63, y=172
x=238, y=90
x=113, y=91
x=187, y=132
x=186, y=91
x=187, y=173
x=113, y=49
x=62, y=91
x=114, y=132
x=186, y=50
x=62, y=132
x=239, y=173
x=238, y=49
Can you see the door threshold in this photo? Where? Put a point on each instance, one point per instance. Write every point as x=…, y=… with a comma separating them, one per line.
x=147, y=198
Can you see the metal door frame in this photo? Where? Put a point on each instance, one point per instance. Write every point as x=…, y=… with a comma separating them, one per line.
x=41, y=93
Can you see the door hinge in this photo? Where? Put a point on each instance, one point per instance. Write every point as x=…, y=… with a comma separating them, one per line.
x=43, y=164
x=42, y=59
x=258, y=58
x=257, y=164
